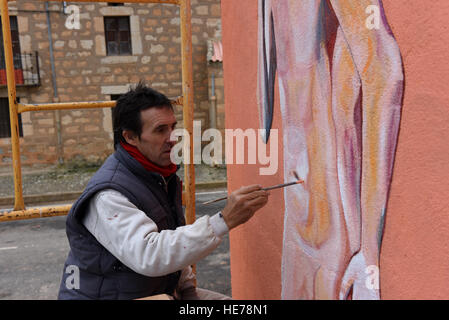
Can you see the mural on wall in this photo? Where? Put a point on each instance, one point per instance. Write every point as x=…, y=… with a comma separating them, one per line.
x=340, y=80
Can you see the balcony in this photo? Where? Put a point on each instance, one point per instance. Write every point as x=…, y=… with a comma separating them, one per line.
x=26, y=70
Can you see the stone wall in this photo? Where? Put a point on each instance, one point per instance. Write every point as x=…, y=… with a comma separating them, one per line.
x=85, y=73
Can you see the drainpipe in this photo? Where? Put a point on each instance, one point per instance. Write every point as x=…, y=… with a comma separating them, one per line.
x=213, y=106
x=213, y=110
x=55, y=90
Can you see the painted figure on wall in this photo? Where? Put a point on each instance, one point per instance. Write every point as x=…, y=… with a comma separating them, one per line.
x=340, y=82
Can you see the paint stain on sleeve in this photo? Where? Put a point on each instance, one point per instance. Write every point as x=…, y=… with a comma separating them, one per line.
x=113, y=217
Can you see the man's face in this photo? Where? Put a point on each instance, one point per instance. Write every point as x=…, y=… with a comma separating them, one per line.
x=154, y=142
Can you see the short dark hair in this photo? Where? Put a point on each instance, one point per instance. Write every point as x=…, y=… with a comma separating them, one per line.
x=126, y=113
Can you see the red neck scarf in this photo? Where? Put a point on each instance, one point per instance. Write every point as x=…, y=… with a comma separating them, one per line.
x=147, y=164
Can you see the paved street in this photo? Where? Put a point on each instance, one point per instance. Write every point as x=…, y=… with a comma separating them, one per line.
x=32, y=254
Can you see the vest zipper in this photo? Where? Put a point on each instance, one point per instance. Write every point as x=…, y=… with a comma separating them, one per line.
x=165, y=182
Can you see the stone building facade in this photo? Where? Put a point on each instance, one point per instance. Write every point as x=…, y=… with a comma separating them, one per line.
x=87, y=68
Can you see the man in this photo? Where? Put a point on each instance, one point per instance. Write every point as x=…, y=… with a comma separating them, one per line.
x=127, y=231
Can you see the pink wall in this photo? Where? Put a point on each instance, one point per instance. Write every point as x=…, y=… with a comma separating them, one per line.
x=256, y=246
x=415, y=249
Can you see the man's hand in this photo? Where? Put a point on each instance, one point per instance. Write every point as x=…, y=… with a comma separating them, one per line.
x=243, y=203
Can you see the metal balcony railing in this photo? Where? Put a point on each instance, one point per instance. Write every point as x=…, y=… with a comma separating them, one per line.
x=26, y=70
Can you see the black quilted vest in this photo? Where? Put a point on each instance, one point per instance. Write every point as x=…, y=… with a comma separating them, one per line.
x=101, y=275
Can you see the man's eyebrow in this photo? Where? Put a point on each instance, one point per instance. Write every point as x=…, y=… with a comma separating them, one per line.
x=161, y=126
x=166, y=125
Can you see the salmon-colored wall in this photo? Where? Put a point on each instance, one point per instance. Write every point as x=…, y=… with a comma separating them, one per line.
x=256, y=247
x=415, y=248
x=415, y=251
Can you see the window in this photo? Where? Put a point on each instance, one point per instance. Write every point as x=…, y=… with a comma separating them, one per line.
x=15, y=44
x=115, y=97
x=5, y=126
x=15, y=51
x=118, y=36
x=115, y=4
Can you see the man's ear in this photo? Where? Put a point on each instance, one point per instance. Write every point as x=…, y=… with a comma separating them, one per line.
x=130, y=137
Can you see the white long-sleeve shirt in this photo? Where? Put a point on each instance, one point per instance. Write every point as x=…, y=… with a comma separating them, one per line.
x=134, y=239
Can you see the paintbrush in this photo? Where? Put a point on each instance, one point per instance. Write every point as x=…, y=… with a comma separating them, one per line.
x=278, y=186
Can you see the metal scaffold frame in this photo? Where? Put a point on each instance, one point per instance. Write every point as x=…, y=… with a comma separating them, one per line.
x=20, y=212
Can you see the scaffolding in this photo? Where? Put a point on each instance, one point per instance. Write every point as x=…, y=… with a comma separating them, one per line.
x=20, y=212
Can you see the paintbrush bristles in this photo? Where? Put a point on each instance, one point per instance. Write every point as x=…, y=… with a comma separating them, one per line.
x=296, y=176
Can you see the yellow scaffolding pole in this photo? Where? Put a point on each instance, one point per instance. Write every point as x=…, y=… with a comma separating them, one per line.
x=20, y=212
x=76, y=105
x=13, y=112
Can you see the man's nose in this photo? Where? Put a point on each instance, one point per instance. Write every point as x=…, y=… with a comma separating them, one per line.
x=172, y=140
